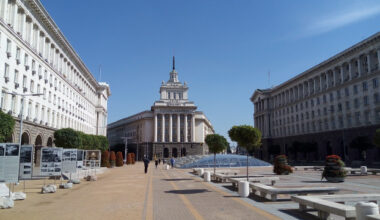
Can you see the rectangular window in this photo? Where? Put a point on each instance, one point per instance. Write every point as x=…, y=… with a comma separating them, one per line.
x=348, y=105
x=365, y=87
x=324, y=99
x=31, y=86
x=357, y=117
x=356, y=103
x=16, y=76
x=24, y=81
x=366, y=116
x=338, y=94
x=347, y=91
x=376, y=98
x=365, y=99
x=26, y=60
x=318, y=101
x=44, y=93
x=355, y=89
x=18, y=53
x=2, y=101
x=339, y=107
x=331, y=97
x=9, y=46
x=6, y=71
x=374, y=83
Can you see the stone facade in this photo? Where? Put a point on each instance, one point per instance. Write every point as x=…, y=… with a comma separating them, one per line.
x=172, y=127
x=329, y=104
x=36, y=58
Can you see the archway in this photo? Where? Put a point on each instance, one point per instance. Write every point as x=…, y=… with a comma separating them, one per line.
x=174, y=152
x=166, y=152
x=38, y=141
x=24, y=138
x=49, y=142
x=183, y=152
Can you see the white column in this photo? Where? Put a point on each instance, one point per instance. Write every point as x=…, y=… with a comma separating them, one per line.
x=193, y=128
x=350, y=70
x=369, y=62
x=170, y=128
x=341, y=73
x=155, y=127
x=359, y=67
x=178, y=128
x=163, y=128
x=185, y=128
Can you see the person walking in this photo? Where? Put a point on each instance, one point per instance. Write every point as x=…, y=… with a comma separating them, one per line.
x=172, y=161
x=159, y=160
x=156, y=163
x=146, y=164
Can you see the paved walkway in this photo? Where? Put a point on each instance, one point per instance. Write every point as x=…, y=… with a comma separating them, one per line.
x=128, y=193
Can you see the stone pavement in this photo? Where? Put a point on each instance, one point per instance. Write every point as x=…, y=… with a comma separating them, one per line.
x=128, y=193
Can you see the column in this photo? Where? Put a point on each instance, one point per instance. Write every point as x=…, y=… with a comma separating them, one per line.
x=185, y=128
x=320, y=82
x=193, y=128
x=163, y=128
x=341, y=73
x=170, y=128
x=327, y=80
x=378, y=58
x=359, y=67
x=350, y=70
x=155, y=127
x=178, y=128
x=315, y=85
x=369, y=61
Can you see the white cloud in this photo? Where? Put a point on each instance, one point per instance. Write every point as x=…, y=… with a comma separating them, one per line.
x=339, y=19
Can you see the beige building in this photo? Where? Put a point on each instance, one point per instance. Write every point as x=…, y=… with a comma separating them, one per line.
x=173, y=126
x=35, y=57
x=328, y=105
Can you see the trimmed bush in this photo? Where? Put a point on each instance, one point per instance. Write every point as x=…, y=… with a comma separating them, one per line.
x=281, y=166
x=69, y=138
x=334, y=169
x=119, y=159
x=112, y=158
x=7, y=123
x=105, y=159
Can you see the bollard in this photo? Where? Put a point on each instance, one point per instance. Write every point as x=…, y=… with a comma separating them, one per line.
x=243, y=189
x=201, y=172
x=167, y=167
x=207, y=176
x=363, y=170
x=366, y=208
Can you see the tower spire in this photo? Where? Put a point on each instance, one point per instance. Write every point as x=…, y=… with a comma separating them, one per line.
x=173, y=62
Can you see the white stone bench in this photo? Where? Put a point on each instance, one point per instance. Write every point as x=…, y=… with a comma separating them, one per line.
x=258, y=179
x=373, y=217
x=219, y=177
x=273, y=192
x=358, y=171
x=314, y=168
x=334, y=204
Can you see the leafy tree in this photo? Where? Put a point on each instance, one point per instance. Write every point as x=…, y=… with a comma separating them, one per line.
x=67, y=138
x=7, y=123
x=246, y=136
x=216, y=144
x=362, y=143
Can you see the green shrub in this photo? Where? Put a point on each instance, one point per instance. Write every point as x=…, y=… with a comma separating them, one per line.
x=67, y=138
x=7, y=124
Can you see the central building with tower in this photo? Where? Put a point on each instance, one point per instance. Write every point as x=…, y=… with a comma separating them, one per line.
x=171, y=128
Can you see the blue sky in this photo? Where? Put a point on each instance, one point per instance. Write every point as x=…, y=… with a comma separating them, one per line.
x=224, y=49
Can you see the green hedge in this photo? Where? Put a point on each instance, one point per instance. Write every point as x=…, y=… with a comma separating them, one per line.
x=7, y=123
x=69, y=138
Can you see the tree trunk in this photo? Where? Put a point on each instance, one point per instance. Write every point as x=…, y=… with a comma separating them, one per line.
x=214, y=163
x=247, y=166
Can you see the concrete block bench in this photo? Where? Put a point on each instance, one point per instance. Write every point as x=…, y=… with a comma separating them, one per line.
x=334, y=204
x=373, y=217
x=258, y=179
x=315, y=168
x=273, y=192
x=225, y=177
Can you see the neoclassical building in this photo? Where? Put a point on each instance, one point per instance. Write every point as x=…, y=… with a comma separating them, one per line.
x=328, y=105
x=172, y=128
x=35, y=57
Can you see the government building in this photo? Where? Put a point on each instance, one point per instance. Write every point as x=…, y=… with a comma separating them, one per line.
x=331, y=108
x=36, y=58
x=171, y=128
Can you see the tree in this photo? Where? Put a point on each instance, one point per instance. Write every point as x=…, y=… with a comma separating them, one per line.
x=67, y=138
x=7, y=123
x=362, y=143
x=216, y=144
x=246, y=136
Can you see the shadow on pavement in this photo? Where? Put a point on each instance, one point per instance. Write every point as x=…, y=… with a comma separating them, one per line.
x=299, y=215
x=177, y=179
x=187, y=191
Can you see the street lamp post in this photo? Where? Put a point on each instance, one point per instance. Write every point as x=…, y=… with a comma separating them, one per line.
x=125, y=147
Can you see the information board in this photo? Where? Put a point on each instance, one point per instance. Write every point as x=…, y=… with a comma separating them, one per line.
x=26, y=162
x=9, y=162
x=80, y=157
x=69, y=160
x=51, y=161
x=92, y=158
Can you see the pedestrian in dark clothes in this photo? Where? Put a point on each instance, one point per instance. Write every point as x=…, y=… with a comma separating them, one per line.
x=146, y=164
x=159, y=161
x=156, y=163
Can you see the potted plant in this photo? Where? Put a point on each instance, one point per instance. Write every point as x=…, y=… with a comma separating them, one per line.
x=281, y=166
x=113, y=159
x=334, y=169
